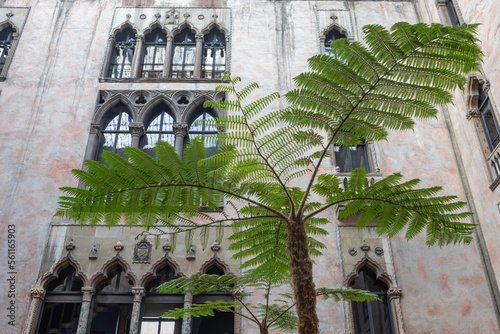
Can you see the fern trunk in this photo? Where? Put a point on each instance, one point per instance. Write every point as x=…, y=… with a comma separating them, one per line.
x=302, y=275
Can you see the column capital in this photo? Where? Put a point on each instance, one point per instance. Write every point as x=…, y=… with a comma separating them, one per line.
x=95, y=128
x=138, y=292
x=88, y=292
x=38, y=292
x=199, y=37
x=136, y=129
x=180, y=129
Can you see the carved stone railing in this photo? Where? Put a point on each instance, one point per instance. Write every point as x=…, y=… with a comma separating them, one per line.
x=372, y=178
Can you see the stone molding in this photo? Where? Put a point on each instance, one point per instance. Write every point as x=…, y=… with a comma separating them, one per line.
x=87, y=293
x=108, y=265
x=37, y=292
x=163, y=261
x=215, y=260
x=373, y=265
x=53, y=273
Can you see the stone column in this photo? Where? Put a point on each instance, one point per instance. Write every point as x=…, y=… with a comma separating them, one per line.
x=136, y=61
x=186, y=322
x=322, y=39
x=138, y=293
x=180, y=131
x=83, y=322
x=111, y=45
x=199, y=56
x=394, y=295
x=137, y=131
x=168, y=57
x=37, y=296
x=95, y=132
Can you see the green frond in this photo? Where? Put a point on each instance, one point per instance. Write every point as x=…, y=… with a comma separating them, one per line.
x=347, y=295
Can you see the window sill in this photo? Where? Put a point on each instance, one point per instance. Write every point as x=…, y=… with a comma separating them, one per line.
x=140, y=80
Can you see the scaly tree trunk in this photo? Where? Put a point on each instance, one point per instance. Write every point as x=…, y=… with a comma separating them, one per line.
x=302, y=275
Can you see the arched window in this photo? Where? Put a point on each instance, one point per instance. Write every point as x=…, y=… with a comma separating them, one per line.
x=6, y=39
x=153, y=55
x=155, y=304
x=115, y=135
x=183, y=56
x=113, y=304
x=158, y=127
x=203, y=129
x=352, y=157
x=372, y=317
x=122, y=55
x=214, y=51
x=333, y=35
x=488, y=119
x=62, y=303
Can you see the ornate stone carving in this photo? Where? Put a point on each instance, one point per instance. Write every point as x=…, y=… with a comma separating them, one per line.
x=9, y=15
x=379, y=251
x=70, y=246
x=38, y=292
x=142, y=16
x=94, y=251
x=167, y=247
x=191, y=253
x=364, y=246
x=201, y=17
x=138, y=292
x=142, y=252
x=166, y=260
x=118, y=246
x=394, y=293
x=215, y=260
x=215, y=247
x=472, y=113
x=199, y=38
x=352, y=251
x=157, y=16
x=95, y=128
x=180, y=129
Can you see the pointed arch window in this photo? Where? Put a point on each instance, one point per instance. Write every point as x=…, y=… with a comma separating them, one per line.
x=113, y=304
x=155, y=304
x=214, y=55
x=158, y=128
x=122, y=55
x=153, y=56
x=488, y=119
x=372, y=317
x=351, y=157
x=183, y=56
x=203, y=129
x=333, y=35
x=62, y=303
x=6, y=39
x=115, y=135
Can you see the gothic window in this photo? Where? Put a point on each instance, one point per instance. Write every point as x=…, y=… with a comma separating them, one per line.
x=452, y=13
x=113, y=304
x=352, y=157
x=183, y=56
x=372, y=317
x=115, y=135
x=488, y=119
x=122, y=55
x=155, y=304
x=198, y=127
x=153, y=56
x=6, y=39
x=158, y=128
x=333, y=35
x=214, y=49
x=62, y=303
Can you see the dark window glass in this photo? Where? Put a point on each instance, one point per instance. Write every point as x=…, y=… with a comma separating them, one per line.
x=488, y=119
x=115, y=134
x=203, y=129
x=333, y=35
x=352, y=157
x=372, y=317
x=220, y=323
x=6, y=38
x=120, y=63
x=153, y=56
x=163, y=275
x=158, y=129
x=61, y=308
x=183, y=54
x=214, y=49
x=452, y=13
x=113, y=304
x=215, y=270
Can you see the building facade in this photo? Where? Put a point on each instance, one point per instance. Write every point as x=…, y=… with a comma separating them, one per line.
x=79, y=77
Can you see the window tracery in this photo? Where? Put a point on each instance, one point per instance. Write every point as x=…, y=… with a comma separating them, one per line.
x=122, y=55
x=154, y=51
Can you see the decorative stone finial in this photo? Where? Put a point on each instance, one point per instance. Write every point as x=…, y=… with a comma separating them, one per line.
x=128, y=16
x=364, y=247
x=157, y=15
x=9, y=14
x=191, y=253
x=215, y=247
x=167, y=247
x=337, y=169
x=119, y=246
x=70, y=246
